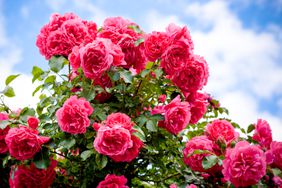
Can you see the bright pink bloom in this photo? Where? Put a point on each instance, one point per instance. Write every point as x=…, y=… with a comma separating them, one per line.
x=191, y=186
x=274, y=154
x=24, y=143
x=73, y=115
x=263, y=133
x=155, y=44
x=33, y=122
x=176, y=115
x=3, y=146
x=24, y=176
x=277, y=181
x=3, y=133
x=244, y=165
x=221, y=130
x=120, y=119
x=198, y=106
x=173, y=186
x=192, y=76
x=162, y=98
x=98, y=56
x=123, y=33
x=113, y=140
x=194, y=161
x=113, y=181
x=74, y=58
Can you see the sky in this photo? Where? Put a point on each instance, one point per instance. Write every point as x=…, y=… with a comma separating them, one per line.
x=240, y=39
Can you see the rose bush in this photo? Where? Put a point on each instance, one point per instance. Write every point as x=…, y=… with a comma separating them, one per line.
x=119, y=107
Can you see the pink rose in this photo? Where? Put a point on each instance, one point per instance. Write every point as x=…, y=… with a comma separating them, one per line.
x=155, y=45
x=24, y=143
x=198, y=106
x=3, y=146
x=120, y=31
x=3, y=133
x=73, y=115
x=277, y=181
x=162, y=98
x=193, y=76
x=274, y=154
x=221, y=130
x=24, y=176
x=98, y=56
x=130, y=153
x=244, y=165
x=119, y=118
x=263, y=133
x=175, y=57
x=194, y=161
x=173, y=185
x=33, y=122
x=113, y=181
x=113, y=140
x=176, y=115
x=191, y=186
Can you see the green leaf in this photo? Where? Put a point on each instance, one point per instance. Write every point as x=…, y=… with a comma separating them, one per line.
x=36, y=72
x=141, y=120
x=11, y=78
x=149, y=65
x=158, y=73
x=126, y=76
x=101, y=161
x=209, y=161
x=4, y=124
x=151, y=126
x=86, y=154
x=250, y=128
x=36, y=90
x=68, y=143
x=42, y=164
x=50, y=79
x=138, y=42
x=139, y=133
x=135, y=28
x=56, y=63
x=8, y=91
x=145, y=73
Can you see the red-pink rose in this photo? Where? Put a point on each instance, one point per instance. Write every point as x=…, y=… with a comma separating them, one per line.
x=162, y=98
x=3, y=146
x=198, y=106
x=221, y=130
x=113, y=140
x=30, y=176
x=155, y=45
x=130, y=153
x=191, y=186
x=175, y=57
x=120, y=119
x=244, y=165
x=263, y=133
x=74, y=58
x=173, y=185
x=98, y=56
x=3, y=133
x=122, y=33
x=33, y=122
x=176, y=115
x=194, y=161
x=193, y=76
x=177, y=33
x=277, y=181
x=24, y=143
x=105, y=82
x=113, y=181
x=73, y=116
x=275, y=154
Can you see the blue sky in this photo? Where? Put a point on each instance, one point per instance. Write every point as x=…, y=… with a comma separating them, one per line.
x=241, y=40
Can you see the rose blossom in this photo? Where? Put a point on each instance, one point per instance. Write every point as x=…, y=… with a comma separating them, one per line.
x=24, y=176
x=119, y=118
x=105, y=82
x=277, y=181
x=98, y=56
x=176, y=115
x=3, y=133
x=32, y=122
x=263, y=133
x=244, y=165
x=113, y=181
x=193, y=76
x=198, y=106
x=24, y=143
x=120, y=31
x=221, y=130
x=275, y=154
x=194, y=161
x=155, y=45
x=73, y=115
x=112, y=140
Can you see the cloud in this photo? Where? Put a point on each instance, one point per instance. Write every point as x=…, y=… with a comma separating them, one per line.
x=10, y=56
x=243, y=63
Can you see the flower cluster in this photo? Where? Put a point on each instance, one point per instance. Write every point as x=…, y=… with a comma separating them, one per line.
x=126, y=108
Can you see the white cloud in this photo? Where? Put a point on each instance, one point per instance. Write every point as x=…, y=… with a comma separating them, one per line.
x=243, y=63
x=10, y=56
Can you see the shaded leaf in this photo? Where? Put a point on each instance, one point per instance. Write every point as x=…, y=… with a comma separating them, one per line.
x=8, y=91
x=11, y=78
x=209, y=161
x=86, y=154
x=57, y=63
x=151, y=126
